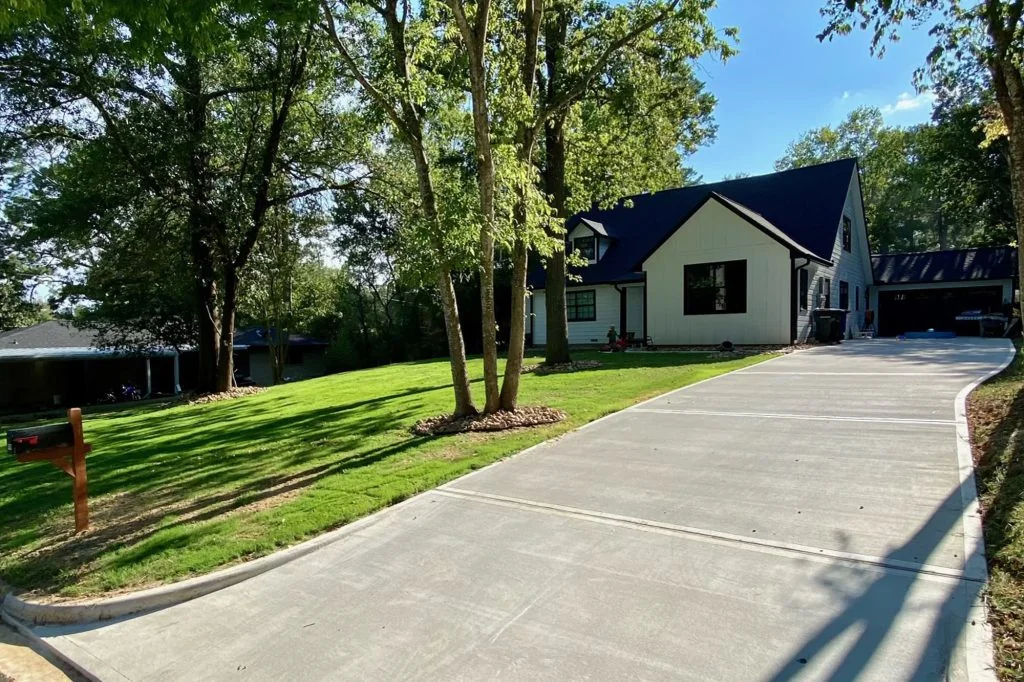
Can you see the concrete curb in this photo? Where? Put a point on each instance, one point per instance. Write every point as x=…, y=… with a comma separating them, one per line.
x=15, y=609
x=978, y=639
x=78, y=613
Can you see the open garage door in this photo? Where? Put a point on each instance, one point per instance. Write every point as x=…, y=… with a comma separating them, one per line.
x=917, y=310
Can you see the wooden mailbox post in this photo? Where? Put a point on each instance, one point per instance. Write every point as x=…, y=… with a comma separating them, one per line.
x=64, y=446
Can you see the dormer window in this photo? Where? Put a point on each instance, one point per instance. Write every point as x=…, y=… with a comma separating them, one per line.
x=587, y=247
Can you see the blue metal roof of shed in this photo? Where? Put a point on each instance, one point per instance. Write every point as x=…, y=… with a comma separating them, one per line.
x=804, y=204
x=957, y=265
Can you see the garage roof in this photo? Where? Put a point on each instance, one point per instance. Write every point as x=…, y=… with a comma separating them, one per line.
x=957, y=265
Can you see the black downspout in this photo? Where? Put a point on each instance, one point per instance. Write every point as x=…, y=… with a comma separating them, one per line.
x=622, y=310
x=794, y=304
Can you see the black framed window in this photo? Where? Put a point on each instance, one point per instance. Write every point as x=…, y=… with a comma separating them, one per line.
x=715, y=288
x=587, y=246
x=581, y=306
x=847, y=234
x=856, y=298
x=844, y=295
x=827, y=283
x=805, y=285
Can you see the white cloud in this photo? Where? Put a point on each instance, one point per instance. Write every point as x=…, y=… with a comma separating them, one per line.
x=908, y=102
x=846, y=95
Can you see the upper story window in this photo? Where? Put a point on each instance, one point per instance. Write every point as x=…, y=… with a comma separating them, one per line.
x=715, y=288
x=847, y=234
x=587, y=246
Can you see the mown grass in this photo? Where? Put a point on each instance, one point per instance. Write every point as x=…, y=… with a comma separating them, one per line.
x=179, y=491
x=996, y=414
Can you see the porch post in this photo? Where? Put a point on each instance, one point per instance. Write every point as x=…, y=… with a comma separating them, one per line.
x=177, y=382
x=622, y=312
x=149, y=377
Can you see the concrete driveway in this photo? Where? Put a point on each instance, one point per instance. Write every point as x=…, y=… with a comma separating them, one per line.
x=800, y=519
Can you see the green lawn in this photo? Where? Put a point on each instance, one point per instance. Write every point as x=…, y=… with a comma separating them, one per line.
x=996, y=414
x=178, y=491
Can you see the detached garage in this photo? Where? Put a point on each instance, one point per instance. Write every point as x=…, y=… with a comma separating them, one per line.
x=915, y=292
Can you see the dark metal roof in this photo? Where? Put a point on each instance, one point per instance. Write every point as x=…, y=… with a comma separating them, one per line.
x=805, y=205
x=958, y=265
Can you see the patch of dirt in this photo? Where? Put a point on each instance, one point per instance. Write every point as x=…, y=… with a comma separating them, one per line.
x=237, y=392
x=561, y=367
x=498, y=421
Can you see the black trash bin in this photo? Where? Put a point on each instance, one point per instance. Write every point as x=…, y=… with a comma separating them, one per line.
x=829, y=324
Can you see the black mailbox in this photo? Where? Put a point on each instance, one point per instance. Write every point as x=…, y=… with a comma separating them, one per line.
x=64, y=446
x=20, y=441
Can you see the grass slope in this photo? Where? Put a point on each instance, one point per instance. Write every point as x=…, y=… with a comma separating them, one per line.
x=996, y=414
x=184, y=490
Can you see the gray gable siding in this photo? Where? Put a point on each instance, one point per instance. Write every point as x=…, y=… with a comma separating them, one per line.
x=853, y=267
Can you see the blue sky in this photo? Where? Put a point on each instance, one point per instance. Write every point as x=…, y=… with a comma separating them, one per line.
x=785, y=82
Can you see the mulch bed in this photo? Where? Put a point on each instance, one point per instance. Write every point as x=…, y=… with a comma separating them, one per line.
x=737, y=350
x=498, y=421
x=237, y=392
x=561, y=368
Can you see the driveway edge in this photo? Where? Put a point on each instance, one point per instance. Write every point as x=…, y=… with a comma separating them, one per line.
x=978, y=637
x=18, y=611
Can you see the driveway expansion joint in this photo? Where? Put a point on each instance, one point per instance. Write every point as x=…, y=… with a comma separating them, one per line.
x=807, y=417
x=939, y=573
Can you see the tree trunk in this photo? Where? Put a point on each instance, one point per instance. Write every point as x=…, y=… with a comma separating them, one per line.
x=225, y=361
x=1009, y=88
x=1017, y=188
x=517, y=328
x=200, y=232
x=456, y=347
x=209, y=334
x=556, y=323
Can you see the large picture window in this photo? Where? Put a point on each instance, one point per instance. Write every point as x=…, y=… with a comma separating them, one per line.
x=581, y=306
x=587, y=246
x=715, y=288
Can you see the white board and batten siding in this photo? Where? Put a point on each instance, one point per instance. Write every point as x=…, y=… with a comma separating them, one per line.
x=606, y=300
x=852, y=267
x=716, y=234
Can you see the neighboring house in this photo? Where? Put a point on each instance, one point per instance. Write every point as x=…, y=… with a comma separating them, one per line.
x=928, y=289
x=744, y=260
x=304, y=357
x=55, y=364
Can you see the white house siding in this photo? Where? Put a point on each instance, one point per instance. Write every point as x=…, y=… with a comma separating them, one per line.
x=606, y=299
x=852, y=266
x=716, y=234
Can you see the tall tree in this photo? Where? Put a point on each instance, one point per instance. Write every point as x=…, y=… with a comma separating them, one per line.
x=503, y=55
x=393, y=55
x=214, y=114
x=626, y=131
x=979, y=46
